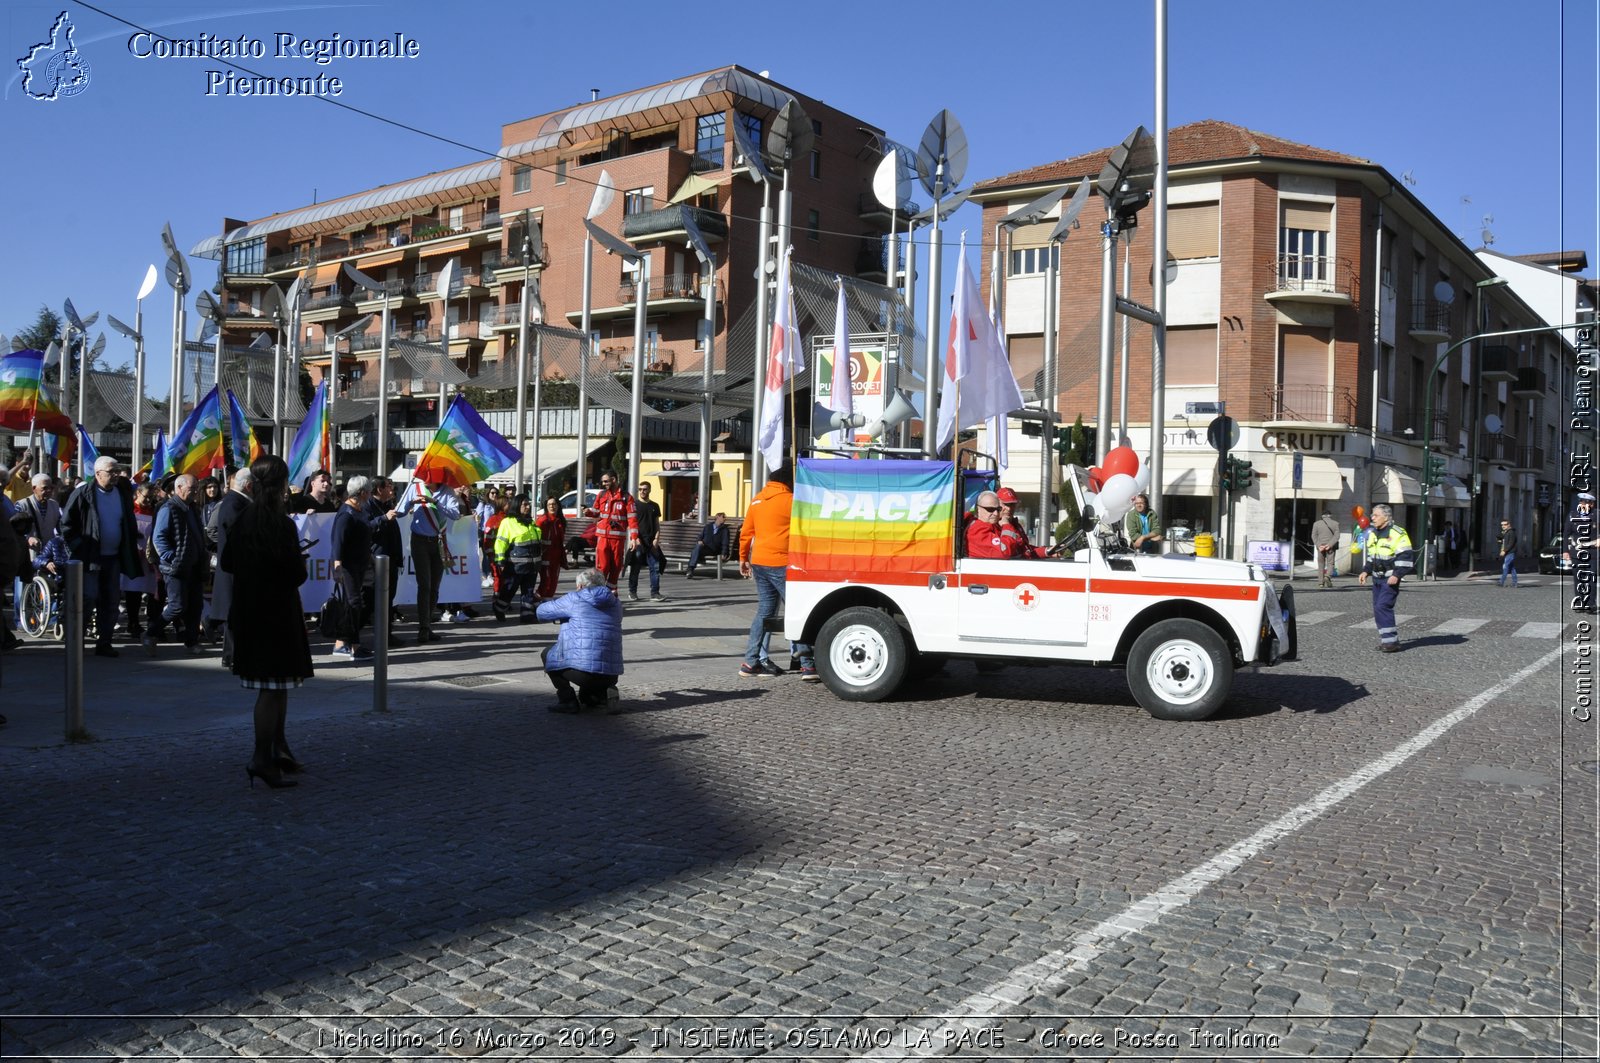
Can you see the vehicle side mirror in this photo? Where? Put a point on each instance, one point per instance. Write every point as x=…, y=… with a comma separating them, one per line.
x=1089, y=517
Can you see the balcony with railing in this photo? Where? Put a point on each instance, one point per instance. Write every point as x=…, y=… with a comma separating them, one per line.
x=494, y=260
x=671, y=223
x=1430, y=320
x=1320, y=279
x=706, y=160
x=668, y=288
x=1313, y=403
x=1498, y=449
x=1527, y=458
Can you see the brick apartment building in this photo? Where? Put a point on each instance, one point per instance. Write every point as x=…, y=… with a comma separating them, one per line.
x=1312, y=293
x=669, y=148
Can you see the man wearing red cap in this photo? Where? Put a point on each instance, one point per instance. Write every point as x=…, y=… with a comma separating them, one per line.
x=1011, y=529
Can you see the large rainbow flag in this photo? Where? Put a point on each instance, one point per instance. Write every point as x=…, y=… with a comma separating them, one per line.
x=312, y=448
x=197, y=448
x=246, y=448
x=24, y=405
x=881, y=517
x=464, y=450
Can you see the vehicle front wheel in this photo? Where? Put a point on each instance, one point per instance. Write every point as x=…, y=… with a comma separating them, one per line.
x=861, y=654
x=1180, y=670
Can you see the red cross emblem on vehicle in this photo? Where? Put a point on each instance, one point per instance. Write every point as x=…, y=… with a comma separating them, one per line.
x=1025, y=597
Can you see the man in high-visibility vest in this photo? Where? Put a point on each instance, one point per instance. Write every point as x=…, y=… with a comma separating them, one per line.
x=1389, y=560
x=518, y=549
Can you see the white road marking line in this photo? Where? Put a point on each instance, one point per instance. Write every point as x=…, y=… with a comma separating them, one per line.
x=1539, y=630
x=1052, y=971
x=1399, y=618
x=1458, y=627
x=1316, y=616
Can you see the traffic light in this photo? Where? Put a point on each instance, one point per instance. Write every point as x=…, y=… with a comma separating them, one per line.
x=1241, y=473
x=1063, y=442
x=1225, y=473
x=1436, y=468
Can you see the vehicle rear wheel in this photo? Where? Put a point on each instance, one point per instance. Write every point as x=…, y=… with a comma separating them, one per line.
x=861, y=654
x=1180, y=670
x=35, y=607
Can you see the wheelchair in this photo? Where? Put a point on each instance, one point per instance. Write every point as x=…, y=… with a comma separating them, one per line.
x=40, y=610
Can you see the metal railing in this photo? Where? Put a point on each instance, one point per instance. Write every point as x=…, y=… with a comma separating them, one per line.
x=1319, y=274
x=644, y=224
x=1430, y=315
x=669, y=286
x=1314, y=403
x=332, y=300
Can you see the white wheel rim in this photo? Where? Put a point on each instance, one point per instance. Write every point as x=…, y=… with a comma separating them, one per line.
x=1180, y=671
x=858, y=655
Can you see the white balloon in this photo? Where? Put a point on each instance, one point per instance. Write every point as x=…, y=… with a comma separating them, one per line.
x=1117, y=492
x=1142, y=477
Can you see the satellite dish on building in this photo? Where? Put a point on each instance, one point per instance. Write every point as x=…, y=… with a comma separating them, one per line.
x=1444, y=293
x=1492, y=424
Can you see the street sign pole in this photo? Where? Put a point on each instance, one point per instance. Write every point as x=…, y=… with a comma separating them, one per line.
x=1294, y=507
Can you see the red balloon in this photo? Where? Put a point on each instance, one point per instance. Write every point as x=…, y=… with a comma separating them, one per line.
x=1121, y=460
x=1097, y=477
x=1359, y=514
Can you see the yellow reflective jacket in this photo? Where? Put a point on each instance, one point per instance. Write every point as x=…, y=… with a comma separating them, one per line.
x=1388, y=550
x=513, y=533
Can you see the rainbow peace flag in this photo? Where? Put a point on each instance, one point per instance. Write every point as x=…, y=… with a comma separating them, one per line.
x=24, y=405
x=882, y=517
x=197, y=448
x=246, y=448
x=59, y=449
x=312, y=448
x=464, y=450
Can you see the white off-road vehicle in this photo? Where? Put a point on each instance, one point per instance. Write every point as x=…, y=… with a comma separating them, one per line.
x=878, y=584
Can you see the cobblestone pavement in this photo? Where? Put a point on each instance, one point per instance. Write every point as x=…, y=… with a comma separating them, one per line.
x=1013, y=864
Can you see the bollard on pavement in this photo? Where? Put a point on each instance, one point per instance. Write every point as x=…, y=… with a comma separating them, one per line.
x=380, y=633
x=72, y=622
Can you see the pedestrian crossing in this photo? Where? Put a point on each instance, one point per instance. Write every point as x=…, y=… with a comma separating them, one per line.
x=1532, y=629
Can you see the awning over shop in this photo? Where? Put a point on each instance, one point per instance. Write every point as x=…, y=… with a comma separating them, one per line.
x=1189, y=473
x=1452, y=494
x=1319, y=477
x=554, y=455
x=1397, y=488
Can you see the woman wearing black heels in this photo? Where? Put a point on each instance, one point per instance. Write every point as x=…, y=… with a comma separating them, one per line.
x=271, y=654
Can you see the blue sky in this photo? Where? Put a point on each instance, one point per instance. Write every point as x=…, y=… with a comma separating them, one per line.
x=1480, y=100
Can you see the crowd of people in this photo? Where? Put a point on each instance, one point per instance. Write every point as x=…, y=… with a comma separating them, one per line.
x=196, y=563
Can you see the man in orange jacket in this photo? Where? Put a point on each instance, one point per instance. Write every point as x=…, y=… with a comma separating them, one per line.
x=764, y=554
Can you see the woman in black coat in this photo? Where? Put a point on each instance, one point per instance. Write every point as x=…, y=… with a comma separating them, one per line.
x=271, y=654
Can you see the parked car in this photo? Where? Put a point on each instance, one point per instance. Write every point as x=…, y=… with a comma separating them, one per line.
x=569, y=501
x=1553, y=558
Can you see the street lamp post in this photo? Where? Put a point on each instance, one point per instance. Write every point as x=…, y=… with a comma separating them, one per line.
x=1427, y=408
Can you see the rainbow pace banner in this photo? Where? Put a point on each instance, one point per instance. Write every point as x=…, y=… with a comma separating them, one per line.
x=246, y=448
x=24, y=404
x=197, y=450
x=310, y=449
x=464, y=450
x=854, y=518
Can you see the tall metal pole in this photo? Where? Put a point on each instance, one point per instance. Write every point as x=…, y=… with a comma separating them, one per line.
x=636, y=406
x=277, y=386
x=538, y=412
x=333, y=395
x=1108, y=325
x=930, y=361
x=1158, y=252
x=763, y=350
x=175, y=396
x=381, y=452
x=138, y=384
x=585, y=350
x=903, y=437
x=1047, y=397
x=291, y=369
x=83, y=378
x=1127, y=328
x=709, y=346
x=522, y=381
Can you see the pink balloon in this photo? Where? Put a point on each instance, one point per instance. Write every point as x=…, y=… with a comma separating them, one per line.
x=1121, y=460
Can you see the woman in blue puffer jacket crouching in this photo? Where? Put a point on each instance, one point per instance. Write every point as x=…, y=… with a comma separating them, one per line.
x=587, y=654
